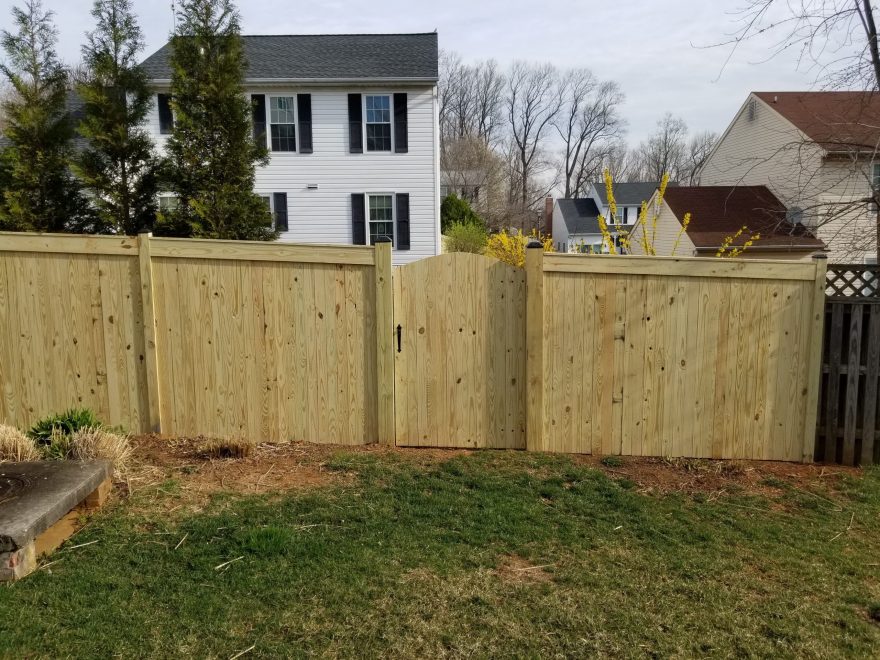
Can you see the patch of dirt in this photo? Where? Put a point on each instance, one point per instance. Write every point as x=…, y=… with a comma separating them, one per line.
x=514, y=568
x=691, y=476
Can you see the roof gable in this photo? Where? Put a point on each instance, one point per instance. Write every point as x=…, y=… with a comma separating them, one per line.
x=719, y=212
x=628, y=194
x=581, y=216
x=327, y=57
x=835, y=120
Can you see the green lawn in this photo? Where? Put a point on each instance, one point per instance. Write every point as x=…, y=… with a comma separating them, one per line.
x=488, y=554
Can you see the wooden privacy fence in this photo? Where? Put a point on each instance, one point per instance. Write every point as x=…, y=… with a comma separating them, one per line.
x=266, y=341
x=590, y=354
x=848, y=426
x=706, y=358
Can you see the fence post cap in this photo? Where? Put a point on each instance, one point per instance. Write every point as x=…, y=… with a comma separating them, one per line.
x=534, y=244
x=382, y=239
x=820, y=255
x=145, y=232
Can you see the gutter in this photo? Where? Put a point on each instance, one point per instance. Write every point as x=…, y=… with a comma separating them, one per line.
x=368, y=82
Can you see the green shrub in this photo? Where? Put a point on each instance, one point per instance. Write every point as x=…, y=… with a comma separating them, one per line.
x=612, y=461
x=466, y=238
x=455, y=210
x=65, y=424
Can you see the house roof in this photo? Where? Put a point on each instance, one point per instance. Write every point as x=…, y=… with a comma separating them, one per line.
x=581, y=216
x=327, y=57
x=835, y=120
x=628, y=194
x=718, y=212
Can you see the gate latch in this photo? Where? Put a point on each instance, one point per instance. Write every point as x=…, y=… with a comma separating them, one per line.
x=399, y=330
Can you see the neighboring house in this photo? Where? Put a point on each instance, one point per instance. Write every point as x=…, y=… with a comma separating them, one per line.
x=628, y=197
x=351, y=124
x=576, y=226
x=817, y=152
x=718, y=213
x=575, y=223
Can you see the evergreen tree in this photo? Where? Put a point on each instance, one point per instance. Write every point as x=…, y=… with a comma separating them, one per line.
x=39, y=192
x=211, y=151
x=119, y=166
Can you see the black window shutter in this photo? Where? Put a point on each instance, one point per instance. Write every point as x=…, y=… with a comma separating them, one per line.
x=304, y=115
x=258, y=103
x=279, y=201
x=166, y=117
x=358, y=219
x=355, y=124
x=401, y=131
x=403, y=221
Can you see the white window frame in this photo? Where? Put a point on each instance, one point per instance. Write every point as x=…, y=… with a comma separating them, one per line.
x=295, y=112
x=162, y=196
x=390, y=98
x=393, y=221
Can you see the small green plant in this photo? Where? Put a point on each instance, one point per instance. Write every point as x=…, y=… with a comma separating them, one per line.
x=227, y=448
x=466, y=238
x=612, y=461
x=455, y=210
x=66, y=423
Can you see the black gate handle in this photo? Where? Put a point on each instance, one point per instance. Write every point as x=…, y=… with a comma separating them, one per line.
x=399, y=329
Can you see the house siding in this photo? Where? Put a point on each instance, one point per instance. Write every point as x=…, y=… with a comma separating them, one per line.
x=323, y=215
x=560, y=230
x=769, y=150
x=668, y=228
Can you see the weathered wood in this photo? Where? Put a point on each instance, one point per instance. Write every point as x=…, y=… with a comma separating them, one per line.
x=835, y=340
x=852, y=386
x=190, y=248
x=679, y=267
x=384, y=343
x=872, y=374
x=534, y=331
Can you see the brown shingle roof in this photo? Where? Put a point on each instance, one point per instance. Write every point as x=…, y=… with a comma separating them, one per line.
x=720, y=211
x=836, y=120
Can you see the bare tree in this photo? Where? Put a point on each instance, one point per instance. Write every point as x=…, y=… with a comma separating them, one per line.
x=838, y=38
x=470, y=99
x=533, y=101
x=588, y=124
x=698, y=150
x=664, y=152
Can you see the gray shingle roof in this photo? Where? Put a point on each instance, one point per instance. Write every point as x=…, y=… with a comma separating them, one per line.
x=328, y=57
x=629, y=194
x=581, y=216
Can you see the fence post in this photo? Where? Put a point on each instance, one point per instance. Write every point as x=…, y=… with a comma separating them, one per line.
x=384, y=341
x=534, y=346
x=151, y=362
x=817, y=322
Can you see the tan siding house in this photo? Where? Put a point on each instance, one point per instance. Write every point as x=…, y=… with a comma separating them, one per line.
x=717, y=214
x=815, y=151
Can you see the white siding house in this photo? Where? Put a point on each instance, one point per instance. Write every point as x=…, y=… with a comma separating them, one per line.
x=352, y=128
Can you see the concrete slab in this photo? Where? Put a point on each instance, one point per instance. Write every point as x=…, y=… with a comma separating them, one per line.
x=34, y=496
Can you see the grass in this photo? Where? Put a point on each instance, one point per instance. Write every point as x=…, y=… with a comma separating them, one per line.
x=412, y=559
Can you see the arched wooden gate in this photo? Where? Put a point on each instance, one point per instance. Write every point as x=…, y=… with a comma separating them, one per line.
x=459, y=350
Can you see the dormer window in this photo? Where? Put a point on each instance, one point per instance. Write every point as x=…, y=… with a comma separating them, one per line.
x=378, y=122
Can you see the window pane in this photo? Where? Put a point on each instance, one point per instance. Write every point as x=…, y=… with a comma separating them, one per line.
x=281, y=109
x=168, y=203
x=378, y=137
x=283, y=137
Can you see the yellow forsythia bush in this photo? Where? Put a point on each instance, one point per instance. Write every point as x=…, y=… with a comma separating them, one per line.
x=511, y=247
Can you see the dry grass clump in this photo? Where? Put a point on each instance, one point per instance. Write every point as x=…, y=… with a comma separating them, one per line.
x=227, y=448
x=98, y=443
x=16, y=447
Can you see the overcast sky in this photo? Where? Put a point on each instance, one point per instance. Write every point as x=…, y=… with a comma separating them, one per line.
x=647, y=46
